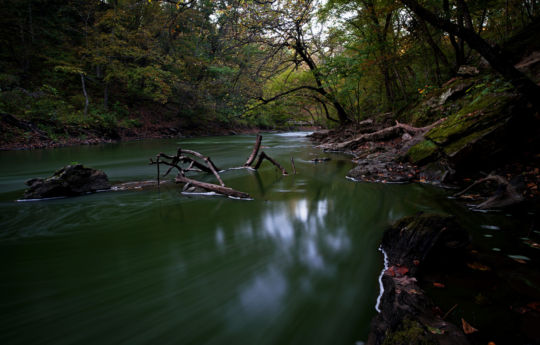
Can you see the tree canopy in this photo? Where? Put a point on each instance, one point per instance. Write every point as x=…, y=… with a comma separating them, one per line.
x=247, y=61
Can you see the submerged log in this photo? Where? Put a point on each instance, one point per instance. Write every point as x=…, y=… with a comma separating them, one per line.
x=190, y=157
x=212, y=187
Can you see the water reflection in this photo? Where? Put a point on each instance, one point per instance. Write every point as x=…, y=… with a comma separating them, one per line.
x=191, y=270
x=264, y=293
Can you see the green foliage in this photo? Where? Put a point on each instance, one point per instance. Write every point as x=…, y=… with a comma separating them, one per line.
x=212, y=61
x=131, y=123
x=8, y=81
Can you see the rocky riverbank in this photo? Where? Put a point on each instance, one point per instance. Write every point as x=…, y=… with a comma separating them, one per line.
x=478, y=137
x=439, y=287
x=474, y=129
x=406, y=314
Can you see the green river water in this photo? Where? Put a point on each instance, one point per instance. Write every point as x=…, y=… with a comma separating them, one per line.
x=296, y=265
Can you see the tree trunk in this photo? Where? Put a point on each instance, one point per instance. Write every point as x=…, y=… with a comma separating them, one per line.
x=85, y=95
x=301, y=50
x=106, y=96
x=493, y=55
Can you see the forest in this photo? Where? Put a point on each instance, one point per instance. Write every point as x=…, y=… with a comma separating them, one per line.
x=107, y=69
x=396, y=165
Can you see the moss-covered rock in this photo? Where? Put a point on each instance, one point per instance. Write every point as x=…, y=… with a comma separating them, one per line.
x=405, y=313
x=483, y=112
x=422, y=152
x=439, y=102
x=455, y=147
x=469, y=137
x=410, y=332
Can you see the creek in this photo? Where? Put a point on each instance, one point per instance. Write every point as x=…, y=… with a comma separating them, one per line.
x=298, y=264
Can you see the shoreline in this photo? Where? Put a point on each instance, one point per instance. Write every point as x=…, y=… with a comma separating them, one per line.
x=38, y=143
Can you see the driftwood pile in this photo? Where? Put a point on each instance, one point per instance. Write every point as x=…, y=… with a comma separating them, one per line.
x=185, y=161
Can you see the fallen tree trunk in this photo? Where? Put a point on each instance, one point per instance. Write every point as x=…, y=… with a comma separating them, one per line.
x=256, y=148
x=387, y=133
x=212, y=187
x=209, y=167
x=263, y=156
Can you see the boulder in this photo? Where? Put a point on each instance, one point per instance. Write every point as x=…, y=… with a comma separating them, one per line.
x=71, y=180
x=406, y=314
x=471, y=139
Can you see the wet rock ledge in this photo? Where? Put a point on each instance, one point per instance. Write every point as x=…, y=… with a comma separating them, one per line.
x=406, y=314
x=70, y=180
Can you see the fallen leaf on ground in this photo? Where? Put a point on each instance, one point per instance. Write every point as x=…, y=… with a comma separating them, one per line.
x=402, y=270
x=397, y=271
x=467, y=328
x=438, y=285
x=478, y=266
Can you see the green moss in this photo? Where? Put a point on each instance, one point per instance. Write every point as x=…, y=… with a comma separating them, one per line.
x=422, y=223
x=425, y=115
x=422, y=151
x=410, y=332
x=482, y=112
x=460, y=144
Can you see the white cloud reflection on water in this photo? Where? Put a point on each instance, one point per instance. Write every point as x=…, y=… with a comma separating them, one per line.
x=306, y=244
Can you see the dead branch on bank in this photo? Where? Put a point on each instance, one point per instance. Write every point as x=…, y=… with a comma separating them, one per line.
x=505, y=195
x=387, y=133
x=193, y=160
